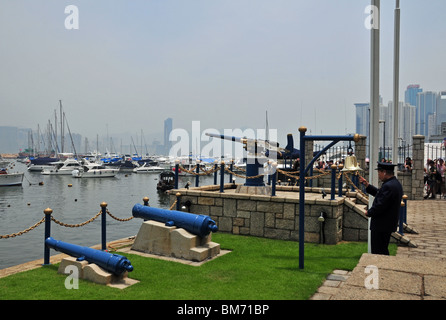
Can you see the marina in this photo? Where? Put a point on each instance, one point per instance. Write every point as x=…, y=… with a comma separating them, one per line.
x=73, y=201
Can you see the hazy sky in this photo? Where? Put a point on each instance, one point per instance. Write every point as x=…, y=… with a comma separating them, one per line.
x=132, y=64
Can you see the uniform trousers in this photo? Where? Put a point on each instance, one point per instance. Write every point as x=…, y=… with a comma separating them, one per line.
x=380, y=242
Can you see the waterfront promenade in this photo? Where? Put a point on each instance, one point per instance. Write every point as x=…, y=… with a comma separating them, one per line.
x=413, y=274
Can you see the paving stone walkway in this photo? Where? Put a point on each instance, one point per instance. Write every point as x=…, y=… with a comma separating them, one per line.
x=413, y=274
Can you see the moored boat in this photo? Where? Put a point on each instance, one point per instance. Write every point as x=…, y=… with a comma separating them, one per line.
x=166, y=181
x=145, y=168
x=94, y=170
x=10, y=179
x=63, y=167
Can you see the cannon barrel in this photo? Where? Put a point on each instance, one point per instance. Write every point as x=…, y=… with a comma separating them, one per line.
x=113, y=263
x=225, y=137
x=253, y=143
x=199, y=225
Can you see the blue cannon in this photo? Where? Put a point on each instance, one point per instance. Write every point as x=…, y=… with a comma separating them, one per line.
x=199, y=225
x=113, y=263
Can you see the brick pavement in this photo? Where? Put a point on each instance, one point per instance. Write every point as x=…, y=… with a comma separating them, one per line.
x=413, y=274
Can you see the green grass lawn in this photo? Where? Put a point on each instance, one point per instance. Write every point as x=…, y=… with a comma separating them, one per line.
x=256, y=269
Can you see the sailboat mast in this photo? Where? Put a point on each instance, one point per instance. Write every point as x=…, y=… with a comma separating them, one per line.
x=61, y=127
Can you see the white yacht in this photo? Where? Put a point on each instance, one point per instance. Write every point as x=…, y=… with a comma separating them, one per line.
x=63, y=167
x=94, y=170
x=145, y=168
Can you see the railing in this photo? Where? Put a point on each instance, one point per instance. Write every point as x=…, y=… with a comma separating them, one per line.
x=48, y=217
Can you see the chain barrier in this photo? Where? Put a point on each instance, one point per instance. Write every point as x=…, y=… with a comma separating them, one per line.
x=173, y=204
x=292, y=174
x=208, y=172
x=12, y=235
x=118, y=219
x=191, y=171
x=241, y=176
x=76, y=225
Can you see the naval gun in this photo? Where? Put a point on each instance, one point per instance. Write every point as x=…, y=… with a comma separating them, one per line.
x=258, y=153
x=196, y=224
x=113, y=263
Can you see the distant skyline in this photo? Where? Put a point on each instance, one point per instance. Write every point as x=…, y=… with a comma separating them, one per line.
x=133, y=64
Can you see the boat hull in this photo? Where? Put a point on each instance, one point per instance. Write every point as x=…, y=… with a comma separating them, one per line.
x=152, y=169
x=56, y=172
x=104, y=173
x=11, y=179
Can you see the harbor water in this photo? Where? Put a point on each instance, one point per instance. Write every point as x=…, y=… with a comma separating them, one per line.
x=22, y=206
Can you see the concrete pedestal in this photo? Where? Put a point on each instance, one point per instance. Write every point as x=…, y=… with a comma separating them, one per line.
x=156, y=238
x=94, y=273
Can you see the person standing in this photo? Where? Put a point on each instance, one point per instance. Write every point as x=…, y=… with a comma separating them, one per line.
x=385, y=210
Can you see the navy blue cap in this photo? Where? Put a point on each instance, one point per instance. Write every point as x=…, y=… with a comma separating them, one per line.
x=386, y=166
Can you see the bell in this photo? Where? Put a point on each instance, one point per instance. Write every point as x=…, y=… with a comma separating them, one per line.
x=351, y=164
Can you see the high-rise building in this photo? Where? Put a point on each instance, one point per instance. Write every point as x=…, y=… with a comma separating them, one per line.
x=426, y=108
x=411, y=94
x=406, y=123
x=167, y=130
x=13, y=139
x=441, y=111
x=362, y=118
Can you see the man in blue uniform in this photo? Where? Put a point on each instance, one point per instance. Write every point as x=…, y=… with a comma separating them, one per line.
x=385, y=208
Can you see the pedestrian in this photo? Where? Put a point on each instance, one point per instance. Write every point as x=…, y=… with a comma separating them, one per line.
x=385, y=210
x=408, y=165
x=432, y=180
x=441, y=170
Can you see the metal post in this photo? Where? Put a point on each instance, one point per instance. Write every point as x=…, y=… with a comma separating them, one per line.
x=340, y=181
x=374, y=102
x=401, y=227
x=46, y=249
x=231, y=167
x=396, y=75
x=178, y=195
x=333, y=182
x=222, y=176
x=405, y=197
x=104, y=225
x=302, y=131
x=197, y=171
x=303, y=170
x=177, y=167
x=273, y=179
x=146, y=201
x=215, y=173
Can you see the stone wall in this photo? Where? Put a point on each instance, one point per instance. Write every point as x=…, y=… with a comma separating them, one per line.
x=265, y=216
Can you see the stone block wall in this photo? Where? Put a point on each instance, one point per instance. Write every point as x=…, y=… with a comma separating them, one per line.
x=266, y=216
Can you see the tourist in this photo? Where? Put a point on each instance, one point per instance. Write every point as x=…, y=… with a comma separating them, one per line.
x=385, y=210
x=408, y=165
x=431, y=180
x=440, y=169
